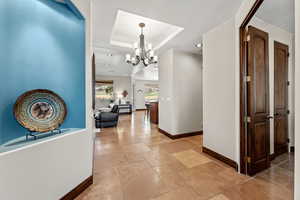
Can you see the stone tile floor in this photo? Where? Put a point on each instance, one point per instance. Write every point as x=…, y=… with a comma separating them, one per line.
x=136, y=162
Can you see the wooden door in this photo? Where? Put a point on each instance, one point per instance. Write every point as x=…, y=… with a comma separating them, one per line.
x=258, y=126
x=281, y=54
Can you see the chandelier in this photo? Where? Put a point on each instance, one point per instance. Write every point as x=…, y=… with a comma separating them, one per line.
x=141, y=53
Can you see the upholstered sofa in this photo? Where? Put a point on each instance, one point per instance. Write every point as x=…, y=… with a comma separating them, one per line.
x=107, y=119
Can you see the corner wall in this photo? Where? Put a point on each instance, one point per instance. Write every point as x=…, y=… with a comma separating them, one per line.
x=219, y=90
x=180, y=102
x=166, y=105
x=188, y=98
x=231, y=81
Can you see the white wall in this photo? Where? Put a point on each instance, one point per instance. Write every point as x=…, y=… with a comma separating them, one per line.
x=180, y=102
x=46, y=170
x=121, y=83
x=297, y=102
x=279, y=35
x=226, y=49
x=235, y=137
x=51, y=169
x=166, y=91
x=219, y=90
x=149, y=73
x=139, y=97
x=187, y=86
x=218, y=47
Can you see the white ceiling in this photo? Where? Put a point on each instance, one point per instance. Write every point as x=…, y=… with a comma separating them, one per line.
x=195, y=16
x=126, y=30
x=111, y=62
x=280, y=13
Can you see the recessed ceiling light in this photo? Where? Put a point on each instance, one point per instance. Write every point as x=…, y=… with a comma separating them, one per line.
x=199, y=45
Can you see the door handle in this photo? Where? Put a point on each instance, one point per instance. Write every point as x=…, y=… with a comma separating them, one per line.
x=269, y=117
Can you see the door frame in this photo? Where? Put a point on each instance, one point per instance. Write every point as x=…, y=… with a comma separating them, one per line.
x=243, y=88
x=277, y=43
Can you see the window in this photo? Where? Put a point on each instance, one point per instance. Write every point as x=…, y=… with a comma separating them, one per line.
x=151, y=92
x=104, y=90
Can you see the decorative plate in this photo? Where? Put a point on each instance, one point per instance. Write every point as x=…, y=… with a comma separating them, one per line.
x=40, y=110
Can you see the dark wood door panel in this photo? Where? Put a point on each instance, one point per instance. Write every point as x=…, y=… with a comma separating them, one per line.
x=258, y=133
x=280, y=77
x=260, y=74
x=281, y=54
x=260, y=139
x=280, y=126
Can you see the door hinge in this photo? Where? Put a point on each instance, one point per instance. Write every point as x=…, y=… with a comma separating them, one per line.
x=248, y=38
x=288, y=112
x=288, y=55
x=247, y=119
x=288, y=83
x=248, y=159
x=288, y=140
x=248, y=79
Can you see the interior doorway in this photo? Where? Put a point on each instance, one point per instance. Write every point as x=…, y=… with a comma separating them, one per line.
x=258, y=112
x=266, y=122
x=281, y=110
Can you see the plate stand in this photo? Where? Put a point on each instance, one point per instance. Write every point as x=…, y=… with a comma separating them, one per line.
x=36, y=134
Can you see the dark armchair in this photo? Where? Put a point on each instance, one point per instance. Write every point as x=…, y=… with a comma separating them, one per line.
x=108, y=119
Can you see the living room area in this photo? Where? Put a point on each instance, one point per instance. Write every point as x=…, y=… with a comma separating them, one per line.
x=120, y=95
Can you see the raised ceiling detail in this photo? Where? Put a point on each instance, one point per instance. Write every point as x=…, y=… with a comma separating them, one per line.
x=126, y=30
x=196, y=17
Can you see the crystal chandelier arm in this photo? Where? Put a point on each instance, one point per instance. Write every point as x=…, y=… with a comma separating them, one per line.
x=145, y=64
x=137, y=61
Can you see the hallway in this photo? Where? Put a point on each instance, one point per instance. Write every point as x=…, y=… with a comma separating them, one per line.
x=136, y=162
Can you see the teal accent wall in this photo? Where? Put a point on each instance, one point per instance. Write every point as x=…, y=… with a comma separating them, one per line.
x=42, y=46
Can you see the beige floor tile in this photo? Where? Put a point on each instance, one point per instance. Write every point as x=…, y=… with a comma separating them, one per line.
x=173, y=180
x=109, y=160
x=96, y=195
x=277, y=175
x=191, y=158
x=258, y=189
x=136, y=162
x=173, y=168
x=289, y=165
x=136, y=148
x=134, y=157
x=179, y=194
x=129, y=172
x=158, y=157
x=178, y=146
x=219, y=197
x=145, y=186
